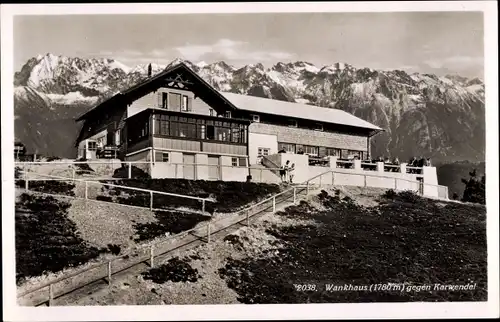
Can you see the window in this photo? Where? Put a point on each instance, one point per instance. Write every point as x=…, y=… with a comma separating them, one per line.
x=228, y=114
x=311, y=150
x=189, y=127
x=292, y=123
x=164, y=100
x=165, y=157
x=333, y=152
x=92, y=146
x=256, y=118
x=210, y=132
x=262, y=152
x=185, y=106
x=352, y=154
x=318, y=127
x=287, y=147
x=211, y=111
x=239, y=162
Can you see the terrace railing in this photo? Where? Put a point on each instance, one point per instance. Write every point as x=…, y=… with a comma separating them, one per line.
x=328, y=178
x=88, y=184
x=70, y=169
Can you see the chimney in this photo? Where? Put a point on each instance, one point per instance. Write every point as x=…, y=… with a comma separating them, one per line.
x=149, y=70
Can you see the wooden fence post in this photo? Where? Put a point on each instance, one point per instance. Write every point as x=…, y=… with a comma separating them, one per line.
x=274, y=204
x=86, y=189
x=208, y=232
x=26, y=181
x=203, y=206
x=365, y=180
x=151, y=200
x=307, y=187
x=109, y=273
x=130, y=170
x=152, y=258
x=51, y=295
x=74, y=174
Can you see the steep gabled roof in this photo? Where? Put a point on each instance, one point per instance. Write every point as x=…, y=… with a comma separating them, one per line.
x=297, y=110
x=125, y=94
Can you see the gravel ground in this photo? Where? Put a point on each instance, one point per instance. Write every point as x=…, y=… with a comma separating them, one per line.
x=97, y=222
x=207, y=259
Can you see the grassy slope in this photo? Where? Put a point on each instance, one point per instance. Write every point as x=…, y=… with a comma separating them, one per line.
x=406, y=239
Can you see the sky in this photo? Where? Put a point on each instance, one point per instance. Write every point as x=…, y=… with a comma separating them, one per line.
x=425, y=42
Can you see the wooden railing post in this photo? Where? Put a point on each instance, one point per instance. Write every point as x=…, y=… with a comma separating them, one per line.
x=74, y=174
x=274, y=204
x=203, y=206
x=109, y=273
x=248, y=218
x=152, y=255
x=307, y=187
x=26, y=181
x=130, y=170
x=51, y=295
x=86, y=189
x=151, y=200
x=365, y=179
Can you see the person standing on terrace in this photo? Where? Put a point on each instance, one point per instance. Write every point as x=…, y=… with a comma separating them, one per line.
x=290, y=172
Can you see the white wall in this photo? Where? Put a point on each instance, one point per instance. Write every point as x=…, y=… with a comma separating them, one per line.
x=430, y=180
x=201, y=168
x=230, y=173
x=151, y=100
x=256, y=141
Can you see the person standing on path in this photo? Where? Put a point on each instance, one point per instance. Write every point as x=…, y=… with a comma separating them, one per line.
x=283, y=171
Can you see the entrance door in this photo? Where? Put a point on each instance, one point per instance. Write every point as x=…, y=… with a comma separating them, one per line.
x=189, y=166
x=213, y=168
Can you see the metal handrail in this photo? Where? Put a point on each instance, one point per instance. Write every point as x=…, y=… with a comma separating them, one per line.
x=122, y=187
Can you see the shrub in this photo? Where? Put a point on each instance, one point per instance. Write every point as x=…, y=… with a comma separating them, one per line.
x=175, y=270
x=122, y=172
x=389, y=194
x=474, y=188
x=46, y=239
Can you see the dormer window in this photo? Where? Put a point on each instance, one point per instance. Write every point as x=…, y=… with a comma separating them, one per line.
x=318, y=127
x=292, y=123
x=256, y=118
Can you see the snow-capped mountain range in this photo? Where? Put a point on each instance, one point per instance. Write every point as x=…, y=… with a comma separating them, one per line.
x=439, y=117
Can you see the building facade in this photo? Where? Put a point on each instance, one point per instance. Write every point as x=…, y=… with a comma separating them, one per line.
x=181, y=127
